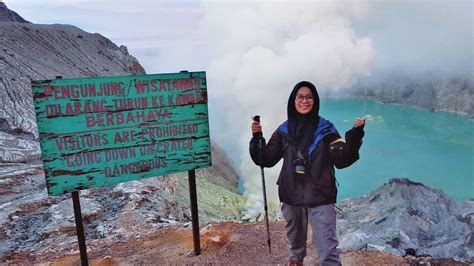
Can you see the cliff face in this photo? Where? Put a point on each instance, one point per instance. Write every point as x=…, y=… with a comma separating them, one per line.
x=430, y=91
x=37, y=52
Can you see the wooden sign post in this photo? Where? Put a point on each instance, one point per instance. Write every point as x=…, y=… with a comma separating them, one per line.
x=96, y=132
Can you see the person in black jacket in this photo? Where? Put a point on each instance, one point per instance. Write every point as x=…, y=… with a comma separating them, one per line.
x=310, y=147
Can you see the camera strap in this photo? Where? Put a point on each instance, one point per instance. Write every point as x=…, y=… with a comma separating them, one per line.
x=303, y=154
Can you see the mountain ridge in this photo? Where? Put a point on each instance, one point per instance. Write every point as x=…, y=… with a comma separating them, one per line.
x=7, y=15
x=39, y=52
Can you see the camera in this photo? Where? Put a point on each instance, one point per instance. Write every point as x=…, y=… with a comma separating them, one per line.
x=300, y=163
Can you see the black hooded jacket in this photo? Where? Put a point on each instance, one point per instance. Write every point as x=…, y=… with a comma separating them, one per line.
x=322, y=146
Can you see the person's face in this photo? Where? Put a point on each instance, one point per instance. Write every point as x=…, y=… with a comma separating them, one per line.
x=304, y=100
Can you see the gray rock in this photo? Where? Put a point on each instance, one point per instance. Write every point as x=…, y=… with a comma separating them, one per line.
x=16, y=149
x=403, y=214
x=221, y=166
x=467, y=213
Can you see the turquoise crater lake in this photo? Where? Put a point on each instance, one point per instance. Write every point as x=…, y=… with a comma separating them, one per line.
x=434, y=148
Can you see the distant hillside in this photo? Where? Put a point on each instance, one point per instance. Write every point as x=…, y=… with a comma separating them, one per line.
x=430, y=91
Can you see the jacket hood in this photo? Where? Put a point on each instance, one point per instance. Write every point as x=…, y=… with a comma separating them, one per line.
x=301, y=127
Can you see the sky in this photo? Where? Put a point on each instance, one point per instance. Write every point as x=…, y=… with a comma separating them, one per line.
x=254, y=52
x=166, y=35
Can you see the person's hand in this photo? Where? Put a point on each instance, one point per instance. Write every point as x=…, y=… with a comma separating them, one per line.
x=256, y=127
x=359, y=122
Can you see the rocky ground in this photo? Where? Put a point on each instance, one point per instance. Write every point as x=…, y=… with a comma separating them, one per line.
x=30, y=220
x=224, y=243
x=147, y=222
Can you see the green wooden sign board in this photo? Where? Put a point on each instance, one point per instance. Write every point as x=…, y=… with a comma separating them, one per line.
x=96, y=132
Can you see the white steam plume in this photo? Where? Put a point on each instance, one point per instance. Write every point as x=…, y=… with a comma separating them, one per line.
x=259, y=51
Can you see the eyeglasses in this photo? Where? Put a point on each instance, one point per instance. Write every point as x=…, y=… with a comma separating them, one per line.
x=299, y=98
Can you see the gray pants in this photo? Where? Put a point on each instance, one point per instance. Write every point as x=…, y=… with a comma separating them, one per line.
x=323, y=224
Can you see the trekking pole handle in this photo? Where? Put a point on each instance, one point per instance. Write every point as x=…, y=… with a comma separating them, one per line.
x=259, y=136
x=257, y=119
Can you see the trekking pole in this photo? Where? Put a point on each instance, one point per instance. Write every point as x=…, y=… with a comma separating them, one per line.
x=260, y=140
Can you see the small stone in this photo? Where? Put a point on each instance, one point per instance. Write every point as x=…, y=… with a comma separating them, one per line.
x=185, y=225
